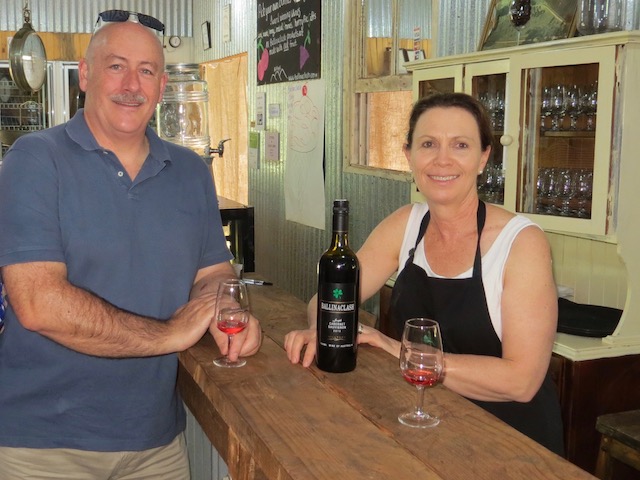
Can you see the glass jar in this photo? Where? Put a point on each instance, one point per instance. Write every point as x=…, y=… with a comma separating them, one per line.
x=182, y=114
x=599, y=16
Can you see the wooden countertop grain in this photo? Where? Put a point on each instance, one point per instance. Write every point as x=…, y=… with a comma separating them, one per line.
x=274, y=420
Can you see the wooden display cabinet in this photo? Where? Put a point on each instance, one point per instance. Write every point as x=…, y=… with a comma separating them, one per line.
x=558, y=114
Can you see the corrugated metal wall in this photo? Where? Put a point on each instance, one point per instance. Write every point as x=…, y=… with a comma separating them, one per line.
x=460, y=25
x=79, y=16
x=286, y=251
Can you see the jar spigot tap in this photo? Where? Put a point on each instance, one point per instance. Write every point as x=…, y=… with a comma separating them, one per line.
x=219, y=150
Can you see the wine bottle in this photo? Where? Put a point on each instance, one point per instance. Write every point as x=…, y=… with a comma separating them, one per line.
x=338, y=298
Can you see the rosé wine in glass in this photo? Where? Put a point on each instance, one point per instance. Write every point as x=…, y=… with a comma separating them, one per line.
x=232, y=316
x=421, y=364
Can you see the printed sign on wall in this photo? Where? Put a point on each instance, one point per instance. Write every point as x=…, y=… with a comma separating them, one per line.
x=288, y=40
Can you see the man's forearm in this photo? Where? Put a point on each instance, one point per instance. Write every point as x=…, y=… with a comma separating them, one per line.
x=45, y=302
x=88, y=324
x=209, y=278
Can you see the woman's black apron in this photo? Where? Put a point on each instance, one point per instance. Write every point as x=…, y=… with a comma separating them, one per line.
x=460, y=307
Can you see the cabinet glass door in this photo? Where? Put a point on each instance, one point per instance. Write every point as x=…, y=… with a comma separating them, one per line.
x=488, y=83
x=565, y=140
x=437, y=80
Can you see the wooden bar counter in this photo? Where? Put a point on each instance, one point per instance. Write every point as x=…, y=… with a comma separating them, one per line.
x=274, y=420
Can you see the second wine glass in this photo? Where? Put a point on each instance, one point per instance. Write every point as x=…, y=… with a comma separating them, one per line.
x=421, y=364
x=232, y=315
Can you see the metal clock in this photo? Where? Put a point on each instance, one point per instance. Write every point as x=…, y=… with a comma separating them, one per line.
x=27, y=58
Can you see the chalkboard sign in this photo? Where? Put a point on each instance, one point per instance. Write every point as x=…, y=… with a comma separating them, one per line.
x=288, y=40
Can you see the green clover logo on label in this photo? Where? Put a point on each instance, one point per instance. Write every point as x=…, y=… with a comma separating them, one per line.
x=337, y=293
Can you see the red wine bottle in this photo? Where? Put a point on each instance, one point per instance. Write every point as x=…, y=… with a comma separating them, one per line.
x=338, y=298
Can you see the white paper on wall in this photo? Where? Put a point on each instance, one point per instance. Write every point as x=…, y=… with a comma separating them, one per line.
x=304, y=174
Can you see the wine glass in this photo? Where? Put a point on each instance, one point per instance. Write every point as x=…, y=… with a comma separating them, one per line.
x=565, y=184
x=584, y=186
x=557, y=107
x=546, y=190
x=421, y=364
x=519, y=14
x=573, y=105
x=545, y=108
x=589, y=102
x=232, y=312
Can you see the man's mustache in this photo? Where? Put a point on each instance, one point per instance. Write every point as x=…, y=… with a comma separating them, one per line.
x=128, y=98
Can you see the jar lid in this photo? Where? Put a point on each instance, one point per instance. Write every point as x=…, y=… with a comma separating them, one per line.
x=182, y=67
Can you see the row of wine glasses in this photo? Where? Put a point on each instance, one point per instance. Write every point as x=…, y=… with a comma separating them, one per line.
x=560, y=102
x=491, y=184
x=494, y=105
x=564, y=191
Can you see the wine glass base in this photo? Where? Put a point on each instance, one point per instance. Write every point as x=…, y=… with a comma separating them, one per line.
x=418, y=419
x=225, y=362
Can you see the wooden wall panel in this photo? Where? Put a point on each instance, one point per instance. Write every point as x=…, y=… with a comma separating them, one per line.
x=59, y=46
x=591, y=268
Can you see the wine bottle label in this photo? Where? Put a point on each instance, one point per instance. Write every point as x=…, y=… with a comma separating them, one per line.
x=338, y=315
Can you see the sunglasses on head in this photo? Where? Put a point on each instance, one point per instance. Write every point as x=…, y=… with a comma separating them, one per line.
x=124, y=15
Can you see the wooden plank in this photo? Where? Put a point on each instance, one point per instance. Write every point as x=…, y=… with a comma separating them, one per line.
x=216, y=430
x=292, y=424
x=305, y=423
x=508, y=455
x=468, y=442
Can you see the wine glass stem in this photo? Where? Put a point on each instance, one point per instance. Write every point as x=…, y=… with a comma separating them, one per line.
x=420, y=402
x=228, y=344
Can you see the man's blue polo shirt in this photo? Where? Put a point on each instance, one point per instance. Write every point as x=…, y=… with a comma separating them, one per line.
x=136, y=244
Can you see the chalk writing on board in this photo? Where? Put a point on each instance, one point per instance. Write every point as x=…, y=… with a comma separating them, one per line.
x=288, y=40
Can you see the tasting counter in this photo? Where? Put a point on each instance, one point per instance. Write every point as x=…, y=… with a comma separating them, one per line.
x=274, y=420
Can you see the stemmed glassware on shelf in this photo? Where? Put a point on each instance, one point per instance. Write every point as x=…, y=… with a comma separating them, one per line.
x=491, y=183
x=565, y=192
x=232, y=315
x=589, y=104
x=556, y=107
x=547, y=191
x=421, y=364
x=545, y=107
x=573, y=101
x=494, y=104
x=573, y=105
x=584, y=189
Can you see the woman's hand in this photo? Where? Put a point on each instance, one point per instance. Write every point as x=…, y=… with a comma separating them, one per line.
x=371, y=336
x=296, y=340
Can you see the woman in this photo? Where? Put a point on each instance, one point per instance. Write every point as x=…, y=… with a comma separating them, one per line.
x=483, y=273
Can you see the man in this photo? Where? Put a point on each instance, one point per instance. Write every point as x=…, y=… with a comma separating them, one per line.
x=111, y=249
